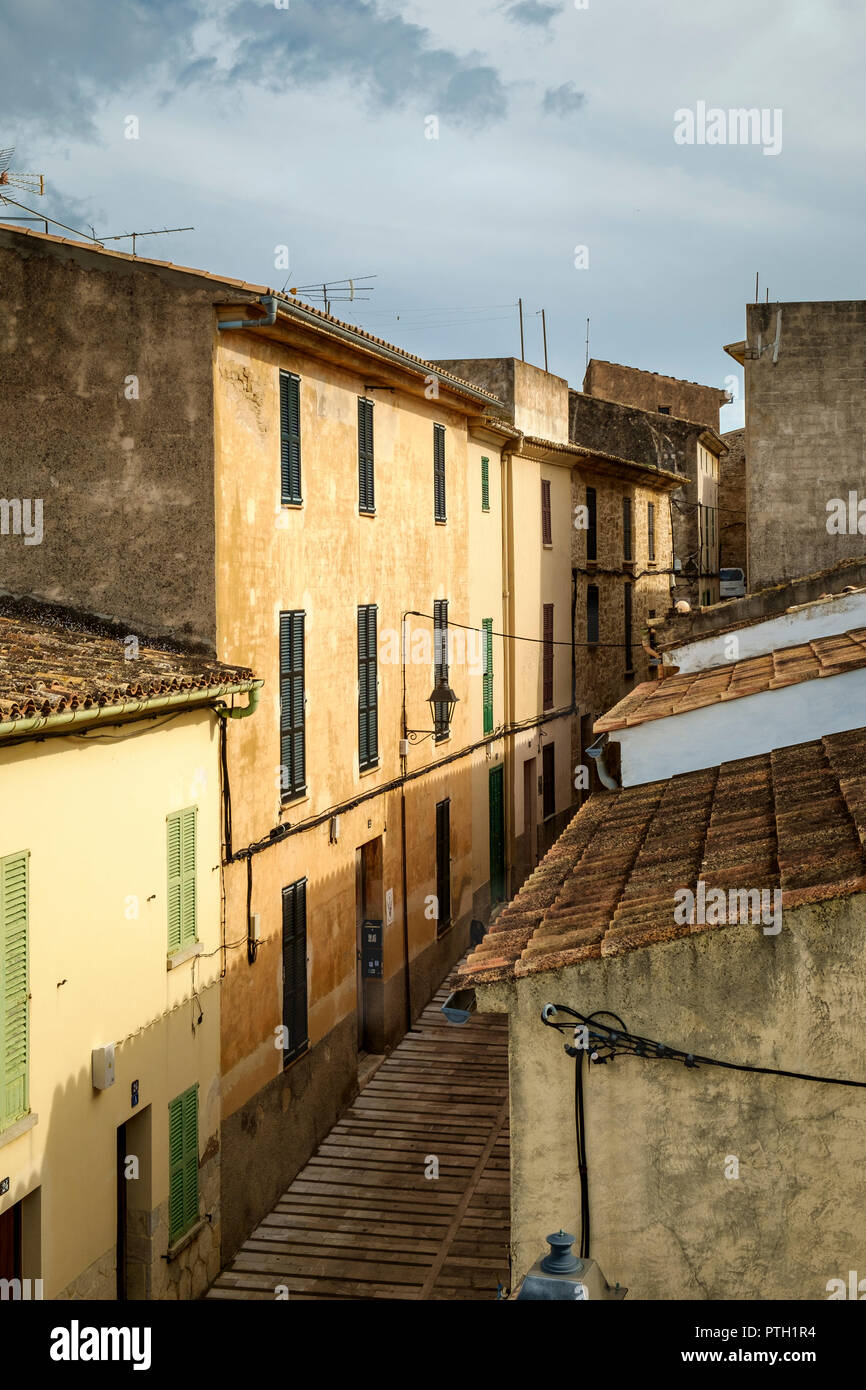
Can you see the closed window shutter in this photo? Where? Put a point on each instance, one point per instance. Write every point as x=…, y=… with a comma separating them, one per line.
x=626, y=528
x=547, y=660
x=366, y=488
x=487, y=627
x=439, y=473
x=295, y=970
x=651, y=529
x=546, y=524
x=592, y=613
x=443, y=864
x=548, y=767
x=368, y=699
x=290, y=437
x=440, y=659
x=292, y=721
x=485, y=484
x=628, y=635
x=14, y=1023
x=182, y=1163
x=181, y=833
x=591, y=524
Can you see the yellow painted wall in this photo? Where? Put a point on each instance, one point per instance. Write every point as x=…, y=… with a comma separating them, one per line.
x=326, y=558
x=92, y=813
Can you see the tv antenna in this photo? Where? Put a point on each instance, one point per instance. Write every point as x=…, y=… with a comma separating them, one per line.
x=157, y=231
x=334, y=291
x=30, y=183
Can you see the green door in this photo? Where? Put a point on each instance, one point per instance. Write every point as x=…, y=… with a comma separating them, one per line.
x=497, y=837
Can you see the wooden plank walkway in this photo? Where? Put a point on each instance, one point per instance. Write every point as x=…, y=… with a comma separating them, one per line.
x=361, y=1220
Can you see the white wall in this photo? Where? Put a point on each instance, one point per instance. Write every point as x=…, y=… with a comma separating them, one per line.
x=824, y=618
x=731, y=729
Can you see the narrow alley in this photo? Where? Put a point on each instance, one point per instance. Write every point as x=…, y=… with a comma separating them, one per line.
x=365, y=1218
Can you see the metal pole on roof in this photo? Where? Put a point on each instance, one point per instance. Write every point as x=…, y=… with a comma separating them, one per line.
x=544, y=333
x=520, y=311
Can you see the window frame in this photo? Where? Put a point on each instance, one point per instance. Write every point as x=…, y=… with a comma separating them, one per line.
x=368, y=692
x=290, y=433
x=366, y=458
x=185, y=882
x=293, y=732
x=440, y=496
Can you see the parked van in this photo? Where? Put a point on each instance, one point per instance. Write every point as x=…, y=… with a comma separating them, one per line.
x=732, y=583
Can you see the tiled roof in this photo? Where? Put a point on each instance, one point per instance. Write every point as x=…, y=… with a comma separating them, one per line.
x=51, y=666
x=680, y=692
x=793, y=819
x=286, y=301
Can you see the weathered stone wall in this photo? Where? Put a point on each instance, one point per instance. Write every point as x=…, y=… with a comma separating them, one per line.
x=687, y=400
x=732, y=502
x=805, y=434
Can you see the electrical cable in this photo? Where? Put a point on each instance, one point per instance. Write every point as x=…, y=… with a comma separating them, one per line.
x=605, y=1044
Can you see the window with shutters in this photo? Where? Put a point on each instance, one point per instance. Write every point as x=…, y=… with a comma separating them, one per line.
x=546, y=524
x=626, y=529
x=366, y=488
x=548, y=779
x=443, y=865
x=485, y=485
x=629, y=660
x=440, y=668
x=290, y=438
x=591, y=524
x=181, y=831
x=14, y=993
x=439, y=511
x=293, y=775
x=651, y=530
x=487, y=633
x=368, y=695
x=547, y=656
x=182, y=1163
x=296, y=1033
x=592, y=613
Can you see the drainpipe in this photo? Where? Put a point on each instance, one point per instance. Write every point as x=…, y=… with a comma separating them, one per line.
x=597, y=752
x=268, y=302
x=241, y=711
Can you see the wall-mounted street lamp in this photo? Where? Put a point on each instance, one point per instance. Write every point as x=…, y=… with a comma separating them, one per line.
x=442, y=702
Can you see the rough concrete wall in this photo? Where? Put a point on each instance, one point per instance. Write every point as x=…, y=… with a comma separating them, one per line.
x=666, y=1220
x=641, y=435
x=537, y=400
x=126, y=484
x=732, y=501
x=687, y=400
x=804, y=434
x=765, y=603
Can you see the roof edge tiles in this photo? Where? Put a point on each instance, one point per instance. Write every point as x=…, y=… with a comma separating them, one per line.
x=367, y=341
x=791, y=822
x=683, y=691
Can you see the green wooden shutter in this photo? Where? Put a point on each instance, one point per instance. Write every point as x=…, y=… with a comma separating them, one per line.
x=368, y=700
x=290, y=437
x=366, y=476
x=439, y=511
x=487, y=628
x=14, y=1037
x=485, y=485
x=182, y=1163
x=292, y=719
x=181, y=839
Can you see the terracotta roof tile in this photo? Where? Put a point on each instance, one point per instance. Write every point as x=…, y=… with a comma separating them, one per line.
x=683, y=691
x=793, y=820
x=56, y=661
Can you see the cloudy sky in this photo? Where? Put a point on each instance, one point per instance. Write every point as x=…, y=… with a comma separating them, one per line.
x=308, y=124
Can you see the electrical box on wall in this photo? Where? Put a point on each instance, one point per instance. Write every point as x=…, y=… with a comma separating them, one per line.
x=255, y=926
x=102, y=1067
